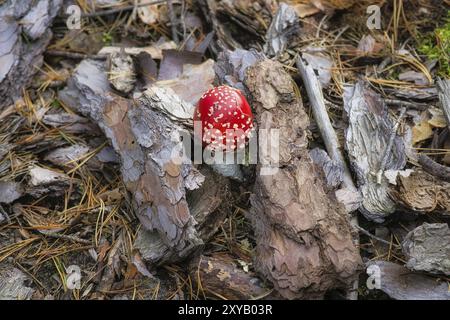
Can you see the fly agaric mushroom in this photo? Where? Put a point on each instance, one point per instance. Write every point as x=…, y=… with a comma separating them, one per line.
x=226, y=117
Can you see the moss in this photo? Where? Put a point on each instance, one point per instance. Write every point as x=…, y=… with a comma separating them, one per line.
x=107, y=38
x=436, y=45
x=56, y=104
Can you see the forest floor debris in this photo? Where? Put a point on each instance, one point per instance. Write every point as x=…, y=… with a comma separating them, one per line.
x=86, y=118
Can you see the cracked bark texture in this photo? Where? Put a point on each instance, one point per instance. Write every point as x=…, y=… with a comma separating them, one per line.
x=14, y=283
x=208, y=206
x=401, y=284
x=303, y=235
x=145, y=140
x=24, y=35
x=218, y=275
x=422, y=192
x=210, y=203
x=427, y=248
x=369, y=129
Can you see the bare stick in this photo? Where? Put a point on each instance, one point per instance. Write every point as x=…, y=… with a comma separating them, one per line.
x=67, y=237
x=315, y=95
x=400, y=103
x=367, y=233
x=75, y=55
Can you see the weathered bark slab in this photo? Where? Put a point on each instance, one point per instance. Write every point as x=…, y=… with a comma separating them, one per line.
x=427, y=248
x=176, y=223
x=236, y=23
x=284, y=22
x=218, y=276
x=367, y=137
x=144, y=140
x=12, y=284
x=24, y=35
x=401, y=284
x=422, y=192
x=304, y=241
x=332, y=170
x=210, y=203
x=44, y=181
x=231, y=66
x=208, y=206
x=72, y=123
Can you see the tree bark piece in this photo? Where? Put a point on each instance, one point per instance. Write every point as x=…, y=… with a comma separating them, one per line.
x=21, y=56
x=427, y=248
x=44, y=181
x=401, y=284
x=304, y=241
x=422, y=192
x=208, y=206
x=315, y=95
x=348, y=195
x=144, y=140
x=368, y=133
x=12, y=284
x=218, y=276
x=210, y=203
x=231, y=66
x=284, y=22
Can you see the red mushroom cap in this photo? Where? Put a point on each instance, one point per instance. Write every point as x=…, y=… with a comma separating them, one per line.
x=226, y=116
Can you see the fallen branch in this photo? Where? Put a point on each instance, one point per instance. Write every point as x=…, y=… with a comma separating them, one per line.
x=401, y=103
x=367, y=233
x=67, y=237
x=315, y=95
x=75, y=55
x=434, y=168
x=329, y=137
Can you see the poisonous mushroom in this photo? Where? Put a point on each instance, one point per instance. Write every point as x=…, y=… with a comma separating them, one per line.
x=226, y=117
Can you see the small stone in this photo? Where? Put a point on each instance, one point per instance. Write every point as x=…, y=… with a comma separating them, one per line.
x=10, y=191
